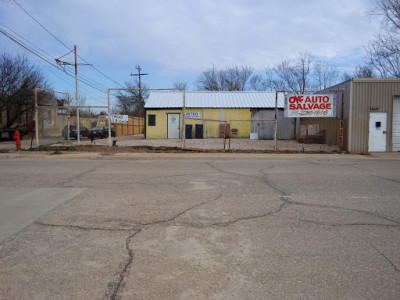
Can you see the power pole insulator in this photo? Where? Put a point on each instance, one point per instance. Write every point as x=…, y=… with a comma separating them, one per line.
x=139, y=74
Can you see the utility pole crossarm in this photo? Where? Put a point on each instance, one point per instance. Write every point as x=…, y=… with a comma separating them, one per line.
x=140, y=83
x=75, y=64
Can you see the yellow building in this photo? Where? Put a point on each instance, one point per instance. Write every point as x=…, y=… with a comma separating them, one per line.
x=206, y=112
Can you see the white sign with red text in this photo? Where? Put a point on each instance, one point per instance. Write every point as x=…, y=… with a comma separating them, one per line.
x=300, y=106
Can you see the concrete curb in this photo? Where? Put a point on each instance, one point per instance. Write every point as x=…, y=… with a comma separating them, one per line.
x=24, y=155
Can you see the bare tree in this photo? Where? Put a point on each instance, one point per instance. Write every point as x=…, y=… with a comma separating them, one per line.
x=390, y=11
x=360, y=71
x=384, y=52
x=293, y=75
x=180, y=85
x=236, y=78
x=132, y=102
x=325, y=75
x=18, y=79
x=233, y=78
x=209, y=80
x=258, y=83
x=300, y=74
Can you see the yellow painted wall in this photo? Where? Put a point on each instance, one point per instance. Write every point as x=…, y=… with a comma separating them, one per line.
x=160, y=130
x=211, y=128
x=86, y=123
x=244, y=127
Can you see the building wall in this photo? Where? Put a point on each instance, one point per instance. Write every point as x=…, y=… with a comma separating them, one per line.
x=266, y=130
x=159, y=131
x=361, y=96
x=234, y=117
x=331, y=126
x=211, y=118
x=370, y=95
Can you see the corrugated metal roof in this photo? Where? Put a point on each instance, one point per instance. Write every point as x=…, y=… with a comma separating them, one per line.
x=174, y=99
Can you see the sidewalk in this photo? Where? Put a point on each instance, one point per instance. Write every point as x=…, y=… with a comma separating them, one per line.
x=288, y=149
x=204, y=144
x=74, y=155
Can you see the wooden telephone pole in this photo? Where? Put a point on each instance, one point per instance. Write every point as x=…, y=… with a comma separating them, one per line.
x=75, y=64
x=140, y=84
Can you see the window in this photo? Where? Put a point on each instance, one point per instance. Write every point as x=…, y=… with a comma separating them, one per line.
x=152, y=120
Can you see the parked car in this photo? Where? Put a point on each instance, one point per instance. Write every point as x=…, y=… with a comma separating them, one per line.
x=73, y=131
x=112, y=130
x=7, y=134
x=100, y=132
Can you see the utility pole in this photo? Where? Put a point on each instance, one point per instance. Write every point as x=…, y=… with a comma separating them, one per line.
x=60, y=62
x=77, y=98
x=140, y=84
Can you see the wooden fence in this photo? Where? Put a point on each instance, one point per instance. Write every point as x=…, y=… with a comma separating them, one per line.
x=134, y=126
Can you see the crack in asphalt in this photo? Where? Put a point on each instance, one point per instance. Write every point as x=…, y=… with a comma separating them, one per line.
x=175, y=176
x=372, y=175
x=340, y=208
x=227, y=172
x=181, y=213
x=81, y=227
x=79, y=176
x=286, y=199
x=385, y=257
x=228, y=223
x=231, y=222
x=347, y=224
x=371, y=245
x=115, y=287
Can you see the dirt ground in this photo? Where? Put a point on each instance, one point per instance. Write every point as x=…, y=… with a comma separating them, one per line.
x=138, y=143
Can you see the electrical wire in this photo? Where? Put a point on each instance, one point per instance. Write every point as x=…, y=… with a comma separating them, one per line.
x=62, y=43
x=50, y=62
x=20, y=6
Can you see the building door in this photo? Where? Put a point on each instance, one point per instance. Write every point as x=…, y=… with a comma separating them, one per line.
x=173, y=126
x=377, y=132
x=396, y=124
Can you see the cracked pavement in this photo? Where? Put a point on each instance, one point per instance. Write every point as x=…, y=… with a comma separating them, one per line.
x=301, y=228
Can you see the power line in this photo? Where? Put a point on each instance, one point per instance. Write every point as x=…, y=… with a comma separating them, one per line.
x=32, y=51
x=100, y=72
x=20, y=6
x=20, y=36
x=61, y=42
x=40, y=59
x=15, y=40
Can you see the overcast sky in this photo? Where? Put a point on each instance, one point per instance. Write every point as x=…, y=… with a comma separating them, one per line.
x=178, y=39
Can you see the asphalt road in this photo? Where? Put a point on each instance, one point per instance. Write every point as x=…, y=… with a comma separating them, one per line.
x=297, y=227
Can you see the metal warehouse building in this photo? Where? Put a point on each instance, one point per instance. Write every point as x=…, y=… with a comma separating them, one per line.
x=371, y=116
x=210, y=109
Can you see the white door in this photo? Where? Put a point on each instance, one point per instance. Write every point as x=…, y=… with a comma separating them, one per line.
x=173, y=126
x=396, y=125
x=377, y=132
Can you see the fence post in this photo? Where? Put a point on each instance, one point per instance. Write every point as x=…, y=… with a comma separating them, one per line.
x=276, y=123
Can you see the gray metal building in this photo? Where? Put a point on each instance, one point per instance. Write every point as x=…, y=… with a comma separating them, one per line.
x=266, y=130
x=371, y=116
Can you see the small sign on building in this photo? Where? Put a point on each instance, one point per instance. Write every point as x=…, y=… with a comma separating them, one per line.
x=119, y=118
x=193, y=114
x=312, y=106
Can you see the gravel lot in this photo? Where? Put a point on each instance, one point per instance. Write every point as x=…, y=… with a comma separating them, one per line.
x=204, y=144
